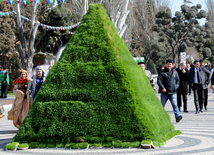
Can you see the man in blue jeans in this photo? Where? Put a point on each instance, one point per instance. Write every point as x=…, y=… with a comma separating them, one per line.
x=168, y=82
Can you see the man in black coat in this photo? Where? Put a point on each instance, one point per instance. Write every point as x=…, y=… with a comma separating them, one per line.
x=198, y=83
x=205, y=99
x=183, y=89
x=168, y=82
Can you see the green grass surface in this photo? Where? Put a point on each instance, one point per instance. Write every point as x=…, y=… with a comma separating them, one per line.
x=96, y=89
x=10, y=93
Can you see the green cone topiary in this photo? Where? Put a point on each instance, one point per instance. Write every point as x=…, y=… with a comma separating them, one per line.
x=95, y=89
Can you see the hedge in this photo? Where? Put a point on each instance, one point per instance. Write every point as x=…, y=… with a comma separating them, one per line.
x=96, y=89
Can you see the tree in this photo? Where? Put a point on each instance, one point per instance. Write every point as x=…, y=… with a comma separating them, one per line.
x=7, y=26
x=117, y=11
x=71, y=13
x=26, y=51
x=147, y=44
x=182, y=30
x=52, y=40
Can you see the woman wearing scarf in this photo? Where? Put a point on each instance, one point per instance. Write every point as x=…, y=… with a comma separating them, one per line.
x=21, y=104
x=37, y=82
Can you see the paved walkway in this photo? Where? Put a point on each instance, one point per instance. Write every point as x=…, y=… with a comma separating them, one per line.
x=197, y=136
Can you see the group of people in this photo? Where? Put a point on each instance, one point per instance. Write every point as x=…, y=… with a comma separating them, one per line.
x=175, y=83
x=25, y=90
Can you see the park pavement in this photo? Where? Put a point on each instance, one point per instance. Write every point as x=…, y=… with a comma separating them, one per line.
x=197, y=136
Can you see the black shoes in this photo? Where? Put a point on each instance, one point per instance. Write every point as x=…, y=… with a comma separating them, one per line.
x=205, y=107
x=197, y=112
x=185, y=110
x=179, y=118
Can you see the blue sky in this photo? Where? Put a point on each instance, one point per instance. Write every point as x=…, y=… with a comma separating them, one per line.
x=175, y=6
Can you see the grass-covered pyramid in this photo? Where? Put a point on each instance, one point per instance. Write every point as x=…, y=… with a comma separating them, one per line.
x=95, y=90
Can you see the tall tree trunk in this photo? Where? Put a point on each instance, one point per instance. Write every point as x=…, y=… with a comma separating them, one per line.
x=173, y=54
x=27, y=55
x=21, y=44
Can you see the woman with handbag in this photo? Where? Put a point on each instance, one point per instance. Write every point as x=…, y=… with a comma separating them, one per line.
x=22, y=102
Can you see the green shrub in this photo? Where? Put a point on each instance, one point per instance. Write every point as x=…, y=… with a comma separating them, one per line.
x=135, y=144
x=107, y=145
x=155, y=143
x=126, y=145
x=95, y=139
x=68, y=145
x=15, y=143
x=95, y=89
x=146, y=142
x=60, y=145
x=51, y=145
x=109, y=139
x=117, y=144
x=74, y=145
x=34, y=145
x=161, y=142
x=91, y=145
x=83, y=145
x=10, y=146
x=23, y=145
x=42, y=145
x=97, y=145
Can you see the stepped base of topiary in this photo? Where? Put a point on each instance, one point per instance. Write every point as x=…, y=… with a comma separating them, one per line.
x=147, y=144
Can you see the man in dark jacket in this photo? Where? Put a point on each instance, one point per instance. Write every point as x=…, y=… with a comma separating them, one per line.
x=184, y=86
x=198, y=83
x=168, y=82
x=205, y=98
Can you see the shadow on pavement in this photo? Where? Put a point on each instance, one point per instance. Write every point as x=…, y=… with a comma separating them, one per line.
x=4, y=142
x=8, y=131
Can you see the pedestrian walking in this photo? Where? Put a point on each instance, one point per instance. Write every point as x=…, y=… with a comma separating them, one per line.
x=37, y=82
x=207, y=77
x=188, y=66
x=148, y=74
x=4, y=79
x=168, y=82
x=22, y=102
x=198, y=84
x=183, y=89
x=212, y=82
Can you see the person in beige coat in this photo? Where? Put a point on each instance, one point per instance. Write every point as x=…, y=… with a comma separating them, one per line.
x=22, y=102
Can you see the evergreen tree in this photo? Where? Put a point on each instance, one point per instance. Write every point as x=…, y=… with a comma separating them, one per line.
x=183, y=30
x=7, y=27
